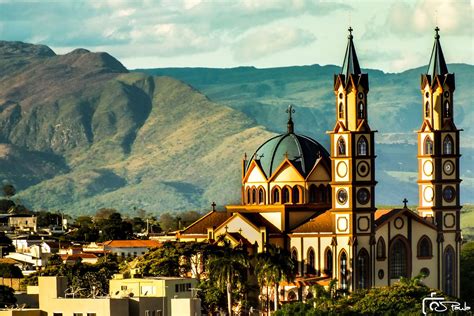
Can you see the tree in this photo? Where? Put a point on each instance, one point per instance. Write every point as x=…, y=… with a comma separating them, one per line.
x=10, y=271
x=7, y=296
x=467, y=273
x=8, y=190
x=227, y=269
x=168, y=222
x=6, y=205
x=273, y=266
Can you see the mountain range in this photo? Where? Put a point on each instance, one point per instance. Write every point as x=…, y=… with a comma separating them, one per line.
x=79, y=131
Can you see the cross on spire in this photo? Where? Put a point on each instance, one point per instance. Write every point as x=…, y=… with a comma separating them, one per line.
x=290, y=125
x=350, y=29
x=405, y=201
x=213, y=206
x=437, y=32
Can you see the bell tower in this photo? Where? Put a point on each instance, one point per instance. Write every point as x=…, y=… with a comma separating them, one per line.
x=438, y=165
x=353, y=175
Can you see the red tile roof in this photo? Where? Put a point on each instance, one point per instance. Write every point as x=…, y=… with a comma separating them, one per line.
x=320, y=223
x=211, y=219
x=78, y=256
x=135, y=243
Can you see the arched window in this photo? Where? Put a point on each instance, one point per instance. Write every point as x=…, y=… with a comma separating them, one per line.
x=381, y=249
x=424, y=247
x=361, y=110
x=296, y=195
x=313, y=194
x=328, y=262
x=294, y=257
x=341, y=110
x=447, y=109
x=311, y=260
x=448, y=145
x=276, y=195
x=254, y=196
x=328, y=191
x=427, y=109
x=343, y=273
x=261, y=196
x=449, y=271
x=398, y=259
x=363, y=269
x=428, y=146
x=341, y=147
x=285, y=195
x=249, y=197
x=362, y=146
x=323, y=193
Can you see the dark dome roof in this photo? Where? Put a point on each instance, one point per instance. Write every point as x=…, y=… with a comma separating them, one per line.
x=302, y=151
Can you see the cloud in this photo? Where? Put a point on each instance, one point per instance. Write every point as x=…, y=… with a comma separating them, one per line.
x=454, y=17
x=270, y=40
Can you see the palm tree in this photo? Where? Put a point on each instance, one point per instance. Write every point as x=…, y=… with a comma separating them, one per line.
x=227, y=268
x=273, y=266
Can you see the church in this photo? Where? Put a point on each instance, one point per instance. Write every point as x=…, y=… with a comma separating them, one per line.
x=320, y=204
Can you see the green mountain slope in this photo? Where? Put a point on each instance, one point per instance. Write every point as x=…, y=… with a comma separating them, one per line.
x=120, y=139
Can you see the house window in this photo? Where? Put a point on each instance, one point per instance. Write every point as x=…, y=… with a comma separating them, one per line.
x=324, y=194
x=57, y=314
x=296, y=195
x=313, y=194
x=363, y=269
x=341, y=147
x=362, y=146
x=249, y=197
x=341, y=110
x=424, y=247
x=449, y=271
x=398, y=259
x=343, y=270
x=448, y=145
x=276, y=195
x=380, y=249
x=91, y=314
x=428, y=146
x=123, y=287
x=311, y=261
x=254, y=196
x=328, y=262
x=77, y=314
x=427, y=109
x=285, y=195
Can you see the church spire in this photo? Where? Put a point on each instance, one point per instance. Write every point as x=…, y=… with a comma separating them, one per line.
x=351, y=63
x=290, y=124
x=437, y=65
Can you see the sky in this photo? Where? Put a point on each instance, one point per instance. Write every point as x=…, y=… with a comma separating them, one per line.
x=391, y=35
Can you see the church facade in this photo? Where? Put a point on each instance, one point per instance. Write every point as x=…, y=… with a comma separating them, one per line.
x=320, y=205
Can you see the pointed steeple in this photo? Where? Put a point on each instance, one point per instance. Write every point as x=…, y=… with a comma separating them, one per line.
x=351, y=63
x=437, y=65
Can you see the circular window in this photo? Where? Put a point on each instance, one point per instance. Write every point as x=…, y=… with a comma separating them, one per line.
x=428, y=168
x=446, y=94
x=427, y=94
x=448, y=167
x=340, y=95
x=428, y=194
x=363, y=168
x=449, y=220
x=363, y=196
x=342, y=196
x=361, y=95
x=341, y=169
x=381, y=274
x=425, y=272
x=399, y=223
x=448, y=193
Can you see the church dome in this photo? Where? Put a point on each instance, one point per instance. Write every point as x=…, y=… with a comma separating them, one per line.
x=302, y=151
